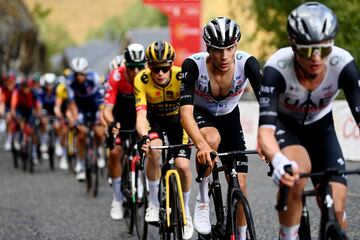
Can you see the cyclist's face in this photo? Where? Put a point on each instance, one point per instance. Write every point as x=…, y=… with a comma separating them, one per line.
x=80, y=77
x=161, y=75
x=133, y=71
x=222, y=58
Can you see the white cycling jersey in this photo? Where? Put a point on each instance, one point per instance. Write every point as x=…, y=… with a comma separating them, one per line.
x=294, y=100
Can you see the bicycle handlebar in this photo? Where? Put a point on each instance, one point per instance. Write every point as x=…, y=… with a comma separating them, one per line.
x=284, y=190
x=213, y=154
x=172, y=146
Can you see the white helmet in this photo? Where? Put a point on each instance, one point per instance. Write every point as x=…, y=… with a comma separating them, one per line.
x=49, y=78
x=79, y=64
x=116, y=62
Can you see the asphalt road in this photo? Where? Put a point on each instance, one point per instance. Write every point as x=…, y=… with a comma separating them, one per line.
x=53, y=205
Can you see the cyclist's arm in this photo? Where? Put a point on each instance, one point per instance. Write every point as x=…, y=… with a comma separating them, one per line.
x=190, y=73
x=14, y=103
x=272, y=84
x=142, y=125
x=253, y=73
x=2, y=103
x=57, y=107
x=111, y=92
x=349, y=81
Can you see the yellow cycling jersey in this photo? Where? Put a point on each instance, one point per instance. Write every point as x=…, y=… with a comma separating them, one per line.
x=158, y=100
x=61, y=91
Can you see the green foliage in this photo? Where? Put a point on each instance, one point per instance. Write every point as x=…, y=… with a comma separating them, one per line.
x=56, y=38
x=136, y=16
x=272, y=16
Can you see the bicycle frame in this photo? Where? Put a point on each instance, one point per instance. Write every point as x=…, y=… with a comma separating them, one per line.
x=233, y=193
x=328, y=219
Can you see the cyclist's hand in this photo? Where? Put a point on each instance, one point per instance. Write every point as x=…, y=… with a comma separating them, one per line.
x=279, y=175
x=261, y=155
x=203, y=155
x=144, y=143
x=113, y=128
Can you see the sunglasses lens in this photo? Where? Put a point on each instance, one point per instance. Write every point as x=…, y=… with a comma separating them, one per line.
x=307, y=52
x=158, y=69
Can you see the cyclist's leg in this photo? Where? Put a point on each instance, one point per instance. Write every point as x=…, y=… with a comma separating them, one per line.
x=99, y=130
x=290, y=146
x=325, y=152
x=212, y=137
x=153, y=172
x=81, y=147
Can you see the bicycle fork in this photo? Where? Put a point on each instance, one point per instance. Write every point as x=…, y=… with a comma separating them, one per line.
x=178, y=183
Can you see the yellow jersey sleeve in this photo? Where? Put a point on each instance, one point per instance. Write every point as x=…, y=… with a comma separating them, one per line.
x=140, y=81
x=61, y=91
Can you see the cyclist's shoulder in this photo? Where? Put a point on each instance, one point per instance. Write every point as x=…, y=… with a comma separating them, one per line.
x=143, y=78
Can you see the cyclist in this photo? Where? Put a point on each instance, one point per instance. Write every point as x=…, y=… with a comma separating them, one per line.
x=296, y=125
x=157, y=94
x=84, y=88
x=47, y=95
x=7, y=89
x=120, y=112
x=25, y=106
x=64, y=108
x=212, y=85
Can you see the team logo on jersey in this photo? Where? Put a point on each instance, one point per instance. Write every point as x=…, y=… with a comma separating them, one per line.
x=169, y=93
x=283, y=63
x=264, y=101
x=267, y=89
x=183, y=75
x=239, y=56
x=178, y=76
x=117, y=76
x=158, y=93
x=336, y=60
x=144, y=78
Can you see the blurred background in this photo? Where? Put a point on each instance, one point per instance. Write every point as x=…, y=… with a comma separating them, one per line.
x=42, y=35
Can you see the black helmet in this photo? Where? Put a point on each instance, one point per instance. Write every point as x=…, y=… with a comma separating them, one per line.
x=312, y=22
x=134, y=55
x=160, y=53
x=221, y=32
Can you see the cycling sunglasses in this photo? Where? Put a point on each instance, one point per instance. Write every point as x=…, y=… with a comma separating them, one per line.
x=131, y=67
x=156, y=70
x=307, y=51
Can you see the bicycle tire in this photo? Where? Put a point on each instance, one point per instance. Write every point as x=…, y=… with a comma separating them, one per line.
x=128, y=205
x=15, y=154
x=176, y=222
x=95, y=178
x=141, y=206
x=250, y=231
x=334, y=232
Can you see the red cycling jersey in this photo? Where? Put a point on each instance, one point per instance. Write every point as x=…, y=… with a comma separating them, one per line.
x=117, y=83
x=24, y=100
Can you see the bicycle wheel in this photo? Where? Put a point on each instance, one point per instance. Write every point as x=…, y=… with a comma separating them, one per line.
x=129, y=203
x=334, y=232
x=241, y=199
x=141, y=205
x=176, y=222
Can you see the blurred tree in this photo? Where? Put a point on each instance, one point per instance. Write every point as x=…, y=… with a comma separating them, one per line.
x=59, y=37
x=272, y=16
x=137, y=15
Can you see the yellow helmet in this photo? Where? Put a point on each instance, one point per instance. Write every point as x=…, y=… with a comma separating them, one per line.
x=160, y=53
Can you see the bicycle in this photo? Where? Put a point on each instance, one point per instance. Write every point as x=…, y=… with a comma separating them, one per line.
x=172, y=217
x=91, y=166
x=223, y=220
x=133, y=186
x=329, y=227
x=21, y=145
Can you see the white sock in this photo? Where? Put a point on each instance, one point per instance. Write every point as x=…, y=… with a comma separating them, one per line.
x=9, y=137
x=203, y=196
x=153, y=192
x=116, y=186
x=186, y=196
x=241, y=232
x=289, y=233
